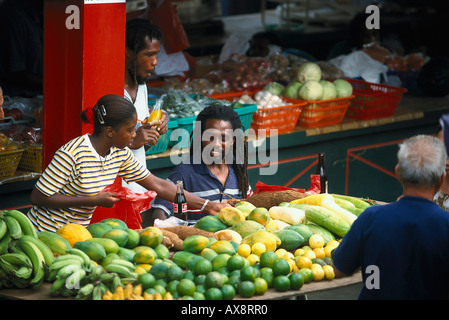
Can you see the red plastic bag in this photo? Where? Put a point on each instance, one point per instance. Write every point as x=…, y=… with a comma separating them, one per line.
x=128, y=209
x=314, y=189
x=165, y=16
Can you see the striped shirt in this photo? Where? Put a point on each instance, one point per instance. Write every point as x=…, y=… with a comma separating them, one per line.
x=200, y=181
x=78, y=170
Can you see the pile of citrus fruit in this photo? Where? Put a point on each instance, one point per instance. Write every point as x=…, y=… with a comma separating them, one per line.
x=248, y=273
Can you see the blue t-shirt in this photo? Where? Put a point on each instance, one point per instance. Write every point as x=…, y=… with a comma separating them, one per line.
x=402, y=249
x=200, y=181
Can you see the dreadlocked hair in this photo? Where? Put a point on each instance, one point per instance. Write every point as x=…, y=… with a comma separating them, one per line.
x=136, y=32
x=222, y=112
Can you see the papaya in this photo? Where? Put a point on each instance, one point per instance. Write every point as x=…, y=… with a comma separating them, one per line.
x=74, y=232
x=115, y=223
x=195, y=243
x=151, y=236
x=56, y=243
x=120, y=236
x=210, y=223
x=290, y=239
x=245, y=207
x=162, y=252
x=97, y=229
x=223, y=246
x=94, y=250
x=126, y=254
x=109, y=245
x=259, y=215
x=230, y=216
x=303, y=230
x=228, y=234
x=181, y=258
x=247, y=227
x=133, y=239
x=269, y=239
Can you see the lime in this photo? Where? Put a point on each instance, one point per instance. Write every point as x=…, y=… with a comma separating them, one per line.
x=244, y=250
x=200, y=288
x=281, y=283
x=213, y=294
x=161, y=289
x=228, y=292
x=307, y=274
x=202, y=266
x=220, y=261
x=198, y=296
x=188, y=275
x=316, y=241
x=281, y=267
x=234, y=281
x=200, y=279
x=248, y=273
x=246, y=289
x=172, y=287
x=267, y=259
x=186, y=287
x=235, y=262
x=174, y=273
x=158, y=270
x=296, y=280
x=214, y=279
x=147, y=280
x=303, y=262
x=329, y=272
x=258, y=248
x=267, y=274
x=260, y=285
x=253, y=259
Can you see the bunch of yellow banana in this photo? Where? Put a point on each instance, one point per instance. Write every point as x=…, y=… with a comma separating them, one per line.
x=134, y=292
x=24, y=259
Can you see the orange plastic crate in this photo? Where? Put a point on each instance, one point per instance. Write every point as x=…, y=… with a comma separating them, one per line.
x=373, y=101
x=283, y=118
x=322, y=113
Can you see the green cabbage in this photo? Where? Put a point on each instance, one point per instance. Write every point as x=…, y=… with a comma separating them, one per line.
x=274, y=88
x=292, y=90
x=311, y=90
x=344, y=88
x=329, y=90
x=309, y=71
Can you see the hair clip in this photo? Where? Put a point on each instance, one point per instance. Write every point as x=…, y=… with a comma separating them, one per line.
x=101, y=111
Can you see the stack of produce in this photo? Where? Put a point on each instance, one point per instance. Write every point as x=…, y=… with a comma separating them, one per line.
x=242, y=252
x=24, y=258
x=310, y=85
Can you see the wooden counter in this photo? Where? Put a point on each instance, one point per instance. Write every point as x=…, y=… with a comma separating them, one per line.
x=271, y=294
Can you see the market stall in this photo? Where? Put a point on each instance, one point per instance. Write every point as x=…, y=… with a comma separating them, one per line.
x=360, y=151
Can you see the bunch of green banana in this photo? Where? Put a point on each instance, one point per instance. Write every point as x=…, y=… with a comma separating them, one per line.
x=69, y=273
x=24, y=259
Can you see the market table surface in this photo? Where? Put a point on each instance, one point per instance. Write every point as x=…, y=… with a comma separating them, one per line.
x=308, y=289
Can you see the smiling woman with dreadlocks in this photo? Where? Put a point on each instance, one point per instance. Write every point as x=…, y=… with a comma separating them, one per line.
x=217, y=166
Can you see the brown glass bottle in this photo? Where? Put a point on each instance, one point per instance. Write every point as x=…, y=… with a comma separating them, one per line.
x=180, y=202
x=321, y=170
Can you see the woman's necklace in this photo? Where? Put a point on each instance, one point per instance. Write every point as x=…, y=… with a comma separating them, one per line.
x=101, y=158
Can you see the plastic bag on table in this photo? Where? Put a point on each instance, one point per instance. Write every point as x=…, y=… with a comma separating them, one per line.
x=314, y=188
x=170, y=222
x=128, y=209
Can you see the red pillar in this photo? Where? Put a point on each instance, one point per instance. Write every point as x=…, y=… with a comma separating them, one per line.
x=80, y=64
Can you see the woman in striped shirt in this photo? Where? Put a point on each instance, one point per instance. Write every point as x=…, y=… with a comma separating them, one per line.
x=70, y=187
